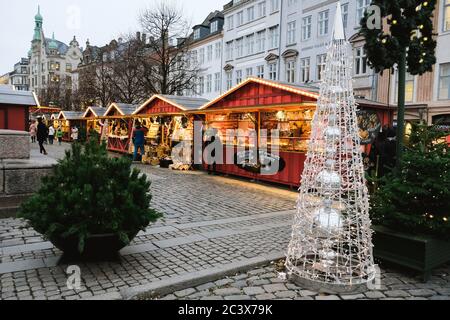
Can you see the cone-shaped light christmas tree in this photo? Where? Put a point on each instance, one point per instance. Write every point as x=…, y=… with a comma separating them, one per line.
x=331, y=245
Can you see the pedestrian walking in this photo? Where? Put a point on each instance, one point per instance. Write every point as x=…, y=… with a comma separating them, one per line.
x=42, y=134
x=51, y=134
x=33, y=131
x=59, y=135
x=139, y=133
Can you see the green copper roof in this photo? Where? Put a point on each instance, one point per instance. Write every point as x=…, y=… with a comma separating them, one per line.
x=38, y=16
x=53, y=45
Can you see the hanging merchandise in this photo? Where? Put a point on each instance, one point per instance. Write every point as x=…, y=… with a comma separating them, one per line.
x=331, y=246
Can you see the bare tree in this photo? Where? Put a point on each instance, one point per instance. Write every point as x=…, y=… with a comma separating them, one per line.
x=166, y=64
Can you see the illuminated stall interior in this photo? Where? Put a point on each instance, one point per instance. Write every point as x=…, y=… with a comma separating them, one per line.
x=119, y=123
x=67, y=120
x=257, y=106
x=91, y=116
x=169, y=121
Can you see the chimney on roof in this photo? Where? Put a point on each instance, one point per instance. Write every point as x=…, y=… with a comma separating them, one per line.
x=138, y=36
x=144, y=38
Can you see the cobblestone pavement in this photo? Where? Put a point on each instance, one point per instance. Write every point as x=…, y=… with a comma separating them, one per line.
x=264, y=284
x=210, y=221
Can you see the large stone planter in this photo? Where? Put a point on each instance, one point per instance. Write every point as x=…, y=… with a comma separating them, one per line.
x=20, y=171
x=422, y=253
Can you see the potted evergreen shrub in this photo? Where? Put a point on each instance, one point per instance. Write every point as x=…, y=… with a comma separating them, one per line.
x=411, y=207
x=92, y=205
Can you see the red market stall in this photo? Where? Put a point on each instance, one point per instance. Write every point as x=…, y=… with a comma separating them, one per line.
x=258, y=105
x=168, y=121
x=47, y=113
x=93, y=123
x=119, y=123
x=14, y=108
x=67, y=120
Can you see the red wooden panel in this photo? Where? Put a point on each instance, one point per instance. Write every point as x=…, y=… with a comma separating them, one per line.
x=17, y=118
x=2, y=119
x=158, y=106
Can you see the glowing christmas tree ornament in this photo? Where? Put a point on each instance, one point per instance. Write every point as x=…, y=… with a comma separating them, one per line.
x=331, y=242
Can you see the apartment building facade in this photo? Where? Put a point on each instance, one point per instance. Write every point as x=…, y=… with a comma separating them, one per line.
x=19, y=77
x=206, y=54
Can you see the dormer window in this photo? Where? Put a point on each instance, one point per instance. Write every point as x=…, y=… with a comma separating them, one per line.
x=196, y=34
x=214, y=26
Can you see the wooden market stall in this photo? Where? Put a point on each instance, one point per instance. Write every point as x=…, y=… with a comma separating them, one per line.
x=67, y=120
x=258, y=106
x=169, y=121
x=118, y=124
x=93, y=122
x=15, y=108
x=48, y=114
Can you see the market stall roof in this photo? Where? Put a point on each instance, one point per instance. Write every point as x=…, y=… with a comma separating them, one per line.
x=70, y=115
x=54, y=116
x=16, y=97
x=179, y=102
x=307, y=90
x=294, y=94
x=96, y=111
x=43, y=109
x=122, y=108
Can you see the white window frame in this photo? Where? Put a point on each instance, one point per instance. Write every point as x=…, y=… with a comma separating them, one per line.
x=361, y=67
x=230, y=22
x=197, y=34
x=201, y=85
x=274, y=37
x=262, y=9
x=261, y=41
x=229, y=79
x=229, y=49
x=209, y=83
x=321, y=63
x=239, y=47
x=323, y=20
x=441, y=79
x=305, y=65
x=307, y=28
x=291, y=65
x=217, y=82
x=446, y=16
x=291, y=31
x=238, y=76
x=250, y=44
x=218, y=49
x=201, y=59
x=209, y=55
x=239, y=18
x=260, y=71
x=250, y=14
x=344, y=10
x=214, y=26
x=361, y=6
x=274, y=6
x=273, y=71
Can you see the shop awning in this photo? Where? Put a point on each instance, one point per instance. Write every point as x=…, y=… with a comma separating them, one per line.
x=94, y=112
x=70, y=115
x=120, y=109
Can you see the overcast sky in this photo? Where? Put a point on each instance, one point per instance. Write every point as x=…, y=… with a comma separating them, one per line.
x=96, y=20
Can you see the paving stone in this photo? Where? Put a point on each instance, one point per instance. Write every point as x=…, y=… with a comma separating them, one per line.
x=267, y=296
x=440, y=298
x=422, y=293
x=396, y=293
x=227, y=291
x=352, y=296
x=286, y=294
x=274, y=287
x=212, y=298
x=253, y=291
x=330, y=297
x=307, y=293
x=223, y=282
x=375, y=295
x=205, y=286
x=239, y=284
x=237, y=297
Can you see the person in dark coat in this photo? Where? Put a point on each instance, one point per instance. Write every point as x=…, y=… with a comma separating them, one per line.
x=42, y=134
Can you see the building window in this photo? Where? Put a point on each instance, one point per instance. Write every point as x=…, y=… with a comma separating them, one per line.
x=197, y=34
x=273, y=37
x=56, y=78
x=217, y=82
x=305, y=68
x=238, y=76
x=444, y=81
x=209, y=83
x=321, y=62
x=409, y=87
x=230, y=22
x=344, y=8
x=260, y=72
x=218, y=50
x=43, y=67
x=290, y=71
x=214, y=26
x=261, y=9
x=361, y=6
x=292, y=2
x=249, y=72
x=360, y=61
x=250, y=44
x=194, y=58
x=229, y=50
x=250, y=14
x=43, y=80
x=323, y=22
x=261, y=41
x=273, y=71
x=68, y=67
x=447, y=15
x=291, y=26
x=239, y=47
x=202, y=56
x=240, y=18
x=306, y=27
x=229, y=80
x=201, y=85
x=210, y=53
x=274, y=5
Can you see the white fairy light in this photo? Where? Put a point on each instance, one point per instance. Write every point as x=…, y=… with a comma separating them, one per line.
x=331, y=244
